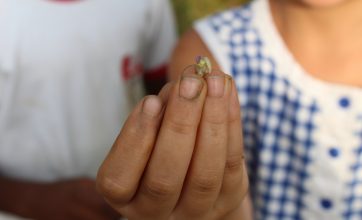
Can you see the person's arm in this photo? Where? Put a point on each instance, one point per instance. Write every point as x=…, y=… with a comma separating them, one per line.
x=15, y=196
x=70, y=199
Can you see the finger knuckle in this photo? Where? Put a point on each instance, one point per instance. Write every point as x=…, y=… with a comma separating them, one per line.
x=205, y=183
x=215, y=130
x=235, y=115
x=234, y=163
x=159, y=190
x=114, y=191
x=220, y=118
x=135, y=132
x=180, y=126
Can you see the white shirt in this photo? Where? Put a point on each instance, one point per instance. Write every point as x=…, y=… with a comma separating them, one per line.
x=69, y=75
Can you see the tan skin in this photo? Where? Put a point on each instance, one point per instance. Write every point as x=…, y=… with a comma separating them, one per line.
x=204, y=180
x=184, y=160
x=330, y=45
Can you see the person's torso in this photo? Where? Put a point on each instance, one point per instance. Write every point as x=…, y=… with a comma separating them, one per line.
x=67, y=72
x=302, y=136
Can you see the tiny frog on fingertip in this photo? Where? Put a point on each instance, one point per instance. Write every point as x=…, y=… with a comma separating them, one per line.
x=203, y=65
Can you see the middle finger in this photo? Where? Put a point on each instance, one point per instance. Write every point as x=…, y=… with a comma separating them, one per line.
x=207, y=167
x=164, y=176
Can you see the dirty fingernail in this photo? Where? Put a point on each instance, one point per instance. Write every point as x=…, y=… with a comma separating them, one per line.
x=215, y=85
x=190, y=87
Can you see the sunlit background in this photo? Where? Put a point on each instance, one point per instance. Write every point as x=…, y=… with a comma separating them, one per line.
x=189, y=10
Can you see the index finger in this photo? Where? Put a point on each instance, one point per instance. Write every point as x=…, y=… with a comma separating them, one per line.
x=170, y=159
x=119, y=175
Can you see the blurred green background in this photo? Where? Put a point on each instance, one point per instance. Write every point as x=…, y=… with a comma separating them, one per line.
x=189, y=10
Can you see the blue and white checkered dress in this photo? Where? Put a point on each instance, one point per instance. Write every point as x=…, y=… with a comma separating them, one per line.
x=302, y=136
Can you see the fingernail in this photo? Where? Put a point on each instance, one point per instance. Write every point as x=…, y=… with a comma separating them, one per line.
x=190, y=87
x=215, y=85
x=152, y=106
x=234, y=108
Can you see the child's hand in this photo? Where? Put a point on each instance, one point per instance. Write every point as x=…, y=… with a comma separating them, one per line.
x=179, y=155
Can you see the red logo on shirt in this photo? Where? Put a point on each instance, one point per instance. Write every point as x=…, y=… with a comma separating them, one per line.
x=131, y=67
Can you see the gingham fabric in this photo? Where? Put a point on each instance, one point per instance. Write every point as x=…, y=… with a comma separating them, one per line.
x=302, y=136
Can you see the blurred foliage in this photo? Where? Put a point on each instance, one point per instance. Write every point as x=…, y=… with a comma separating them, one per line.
x=189, y=10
